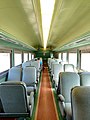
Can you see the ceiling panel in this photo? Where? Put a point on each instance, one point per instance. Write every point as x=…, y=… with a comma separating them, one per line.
x=18, y=18
x=71, y=21
x=22, y=20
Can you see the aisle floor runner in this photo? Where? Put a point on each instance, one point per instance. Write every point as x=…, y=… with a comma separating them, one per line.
x=46, y=108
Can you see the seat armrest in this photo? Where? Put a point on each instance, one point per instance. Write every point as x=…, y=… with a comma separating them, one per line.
x=38, y=70
x=33, y=83
x=62, y=105
x=61, y=98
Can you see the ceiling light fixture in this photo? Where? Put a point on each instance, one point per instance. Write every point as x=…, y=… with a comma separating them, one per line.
x=47, y=8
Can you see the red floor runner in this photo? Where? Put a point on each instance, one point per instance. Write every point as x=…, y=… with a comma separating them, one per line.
x=46, y=108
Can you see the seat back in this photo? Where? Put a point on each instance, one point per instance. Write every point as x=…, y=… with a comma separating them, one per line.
x=14, y=74
x=26, y=64
x=36, y=64
x=52, y=67
x=29, y=75
x=85, y=79
x=69, y=68
x=13, y=97
x=57, y=68
x=58, y=60
x=67, y=81
x=50, y=62
x=80, y=102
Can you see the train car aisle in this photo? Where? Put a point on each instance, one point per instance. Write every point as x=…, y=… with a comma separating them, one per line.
x=46, y=108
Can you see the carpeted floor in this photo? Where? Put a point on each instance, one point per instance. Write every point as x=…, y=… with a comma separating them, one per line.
x=46, y=109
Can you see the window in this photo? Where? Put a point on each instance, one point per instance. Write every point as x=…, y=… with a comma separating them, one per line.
x=85, y=61
x=51, y=55
x=59, y=56
x=32, y=56
x=25, y=57
x=65, y=57
x=4, y=61
x=18, y=58
x=29, y=56
x=73, y=59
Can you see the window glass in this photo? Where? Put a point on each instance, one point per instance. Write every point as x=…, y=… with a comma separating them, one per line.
x=65, y=57
x=18, y=58
x=51, y=55
x=4, y=61
x=59, y=56
x=73, y=59
x=29, y=56
x=32, y=56
x=25, y=57
x=85, y=61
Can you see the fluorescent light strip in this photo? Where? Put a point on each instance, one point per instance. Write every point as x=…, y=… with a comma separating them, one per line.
x=47, y=8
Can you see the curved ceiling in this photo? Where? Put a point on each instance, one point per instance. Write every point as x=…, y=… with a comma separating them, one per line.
x=18, y=18
x=70, y=21
x=22, y=20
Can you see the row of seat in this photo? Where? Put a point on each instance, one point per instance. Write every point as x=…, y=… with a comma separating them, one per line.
x=36, y=63
x=25, y=79
x=80, y=103
x=56, y=68
x=17, y=92
x=68, y=80
x=27, y=75
x=72, y=101
x=14, y=101
x=84, y=94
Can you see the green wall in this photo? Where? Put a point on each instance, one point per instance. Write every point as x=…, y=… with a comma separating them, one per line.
x=44, y=54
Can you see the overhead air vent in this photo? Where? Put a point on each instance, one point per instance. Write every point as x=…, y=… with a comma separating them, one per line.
x=7, y=39
x=83, y=40
x=15, y=41
x=71, y=44
x=86, y=39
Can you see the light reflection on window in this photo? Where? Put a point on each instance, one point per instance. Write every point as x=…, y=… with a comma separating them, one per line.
x=30, y=56
x=4, y=61
x=25, y=57
x=85, y=61
x=73, y=59
x=18, y=59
